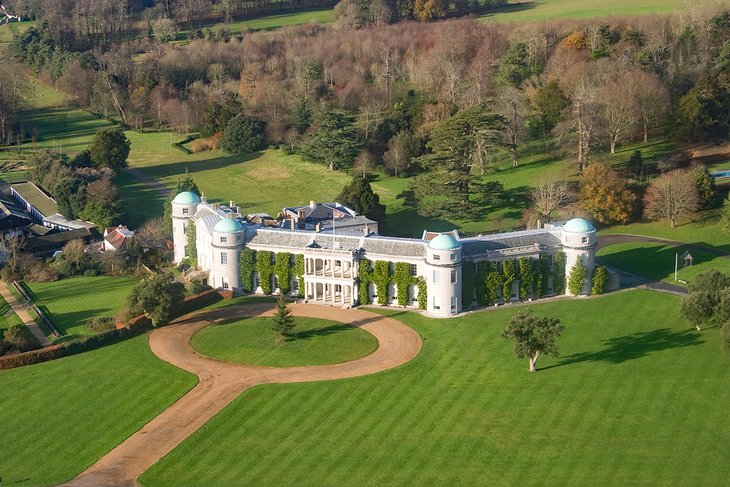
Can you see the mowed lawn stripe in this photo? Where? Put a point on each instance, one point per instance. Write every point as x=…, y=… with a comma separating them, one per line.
x=55, y=427
x=467, y=412
x=74, y=301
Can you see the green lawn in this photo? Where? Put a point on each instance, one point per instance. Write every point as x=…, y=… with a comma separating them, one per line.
x=656, y=261
x=262, y=181
x=64, y=129
x=8, y=318
x=6, y=35
x=72, y=302
x=534, y=10
x=251, y=341
x=61, y=416
x=637, y=398
x=282, y=20
x=704, y=229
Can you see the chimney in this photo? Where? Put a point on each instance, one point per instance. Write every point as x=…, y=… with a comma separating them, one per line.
x=312, y=204
x=292, y=224
x=366, y=229
x=300, y=214
x=202, y=198
x=231, y=204
x=539, y=225
x=317, y=227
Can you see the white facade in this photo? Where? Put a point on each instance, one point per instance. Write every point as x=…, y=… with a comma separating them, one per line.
x=332, y=261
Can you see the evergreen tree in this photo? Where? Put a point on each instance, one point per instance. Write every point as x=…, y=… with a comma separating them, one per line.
x=243, y=134
x=456, y=146
x=705, y=186
x=334, y=141
x=283, y=320
x=302, y=115
x=110, y=148
x=725, y=214
x=359, y=196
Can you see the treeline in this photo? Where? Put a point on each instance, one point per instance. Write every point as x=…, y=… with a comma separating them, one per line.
x=83, y=186
x=82, y=24
x=442, y=99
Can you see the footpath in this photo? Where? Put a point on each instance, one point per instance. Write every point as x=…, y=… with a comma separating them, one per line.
x=23, y=315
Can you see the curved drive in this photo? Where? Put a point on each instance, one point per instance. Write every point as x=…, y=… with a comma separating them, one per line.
x=221, y=382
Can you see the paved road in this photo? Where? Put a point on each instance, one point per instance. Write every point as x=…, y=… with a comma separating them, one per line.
x=221, y=382
x=23, y=315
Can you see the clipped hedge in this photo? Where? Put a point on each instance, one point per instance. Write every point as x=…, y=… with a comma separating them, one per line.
x=136, y=326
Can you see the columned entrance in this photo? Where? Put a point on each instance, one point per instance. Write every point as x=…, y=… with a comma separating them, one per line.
x=329, y=292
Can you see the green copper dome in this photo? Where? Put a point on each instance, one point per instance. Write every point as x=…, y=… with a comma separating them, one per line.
x=228, y=225
x=444, y=241
x=186, y=198
x=578, y=225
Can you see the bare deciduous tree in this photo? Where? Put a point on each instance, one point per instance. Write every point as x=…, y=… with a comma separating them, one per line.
x=549, y=194
x=512, y=104
x=672, y=196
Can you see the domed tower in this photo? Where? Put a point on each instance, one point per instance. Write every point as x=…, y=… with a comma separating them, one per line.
x=579, y=241
x=444, y=276
x=184, y=207
x=228, y=240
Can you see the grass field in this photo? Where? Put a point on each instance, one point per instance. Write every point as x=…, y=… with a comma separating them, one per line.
x=72, y=302
x=61, y=416
x=6, y=35
x=7, y=317
x=636, y=398
x=251, y=341
x=656, y=261
x=282, y=20
x=534, y=10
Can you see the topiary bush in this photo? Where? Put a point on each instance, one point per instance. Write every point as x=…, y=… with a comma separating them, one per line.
x=265, y=268
x=600, y=280
x=381, y=277
x=365, y=275
x=248, y=267
x=577, y=279
x=282, y=268
x=508, y=277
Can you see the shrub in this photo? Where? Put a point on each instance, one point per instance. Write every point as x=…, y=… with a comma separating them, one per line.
x=101, y=323
x=577, y=279
x=20, y=338
x=600, y=280
x=242, y=135
x=90, y=273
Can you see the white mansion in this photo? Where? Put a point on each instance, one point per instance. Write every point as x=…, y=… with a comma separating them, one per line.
x=334, y=242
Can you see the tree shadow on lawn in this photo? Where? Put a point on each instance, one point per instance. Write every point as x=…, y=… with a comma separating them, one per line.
x=634, y=346
x=64, y=321
x=179, y=167
x=320, y=332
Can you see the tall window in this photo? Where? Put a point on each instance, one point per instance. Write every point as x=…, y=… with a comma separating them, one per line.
x=224, y=257
x=413, y=270
x=435, y=276
x=436, y=303
x=453, y=277
x=453, y=304
x=224, y=283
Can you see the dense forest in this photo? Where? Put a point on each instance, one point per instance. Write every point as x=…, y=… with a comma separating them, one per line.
x=434, y=100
